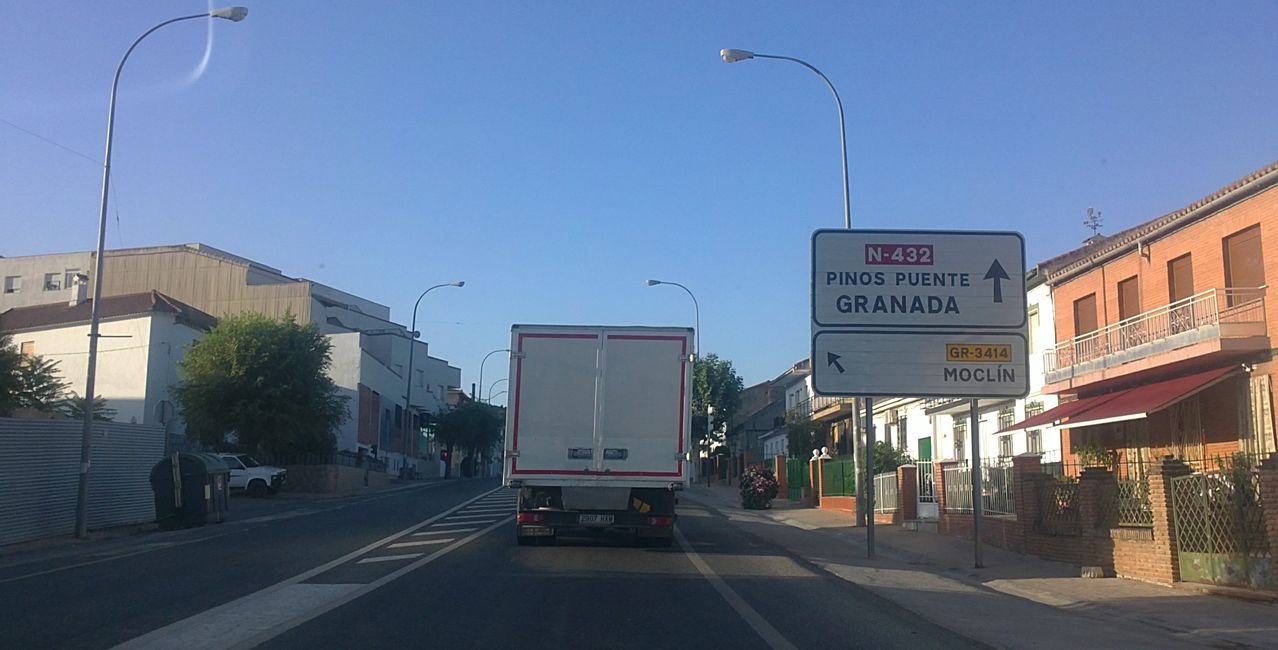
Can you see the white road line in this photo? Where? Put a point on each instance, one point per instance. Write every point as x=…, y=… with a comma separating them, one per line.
x=267, y=635
x=421, y=542
x=449, y=531
x=465, y=518
x=389, y=558
x=761, y=626
x=225, y=625
x=448, y=524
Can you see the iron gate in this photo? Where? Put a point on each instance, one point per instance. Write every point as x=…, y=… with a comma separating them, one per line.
x=796, y=476
x=1220, y=529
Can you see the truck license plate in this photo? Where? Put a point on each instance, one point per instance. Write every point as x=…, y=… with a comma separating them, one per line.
x=594, y=520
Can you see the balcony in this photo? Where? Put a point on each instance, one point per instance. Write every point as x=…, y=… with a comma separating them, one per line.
x=1212, y=325
x=823, y=408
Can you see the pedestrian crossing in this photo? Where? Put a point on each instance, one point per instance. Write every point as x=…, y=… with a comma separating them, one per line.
x=483, y=512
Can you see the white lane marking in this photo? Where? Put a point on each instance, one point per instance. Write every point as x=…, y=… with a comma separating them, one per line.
x=221, y=622
x=421, y=542
x=503, y=508
x=449, y=531
x=445, y=524
x=761, y=626
x=464, y=517
x=389, y=558
x=303, y=617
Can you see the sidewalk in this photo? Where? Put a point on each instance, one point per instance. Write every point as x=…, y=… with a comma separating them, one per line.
x=1015, y=601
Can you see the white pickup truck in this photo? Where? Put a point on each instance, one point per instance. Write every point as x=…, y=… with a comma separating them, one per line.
x=252, y=477
x=597, y=429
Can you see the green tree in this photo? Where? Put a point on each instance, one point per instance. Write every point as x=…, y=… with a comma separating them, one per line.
x=471, y=427
x=887, y=458
x=803, y=435
x=260, y=384
x=39, y=386
x=73, y=408
x=10, y=362
x=714, y=383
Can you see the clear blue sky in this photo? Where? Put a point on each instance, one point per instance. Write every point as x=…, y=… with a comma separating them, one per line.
x=556, y=155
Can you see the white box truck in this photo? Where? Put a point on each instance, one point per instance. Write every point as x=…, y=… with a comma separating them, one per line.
x=597, y=428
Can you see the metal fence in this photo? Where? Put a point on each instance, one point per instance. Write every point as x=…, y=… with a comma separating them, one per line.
x=796, y=477
x=39, y=475
x=927, y=481
x=1220, y=529
x=1058, y=508
x=958, y=489
x=997, y=497
x=1134, y=507
x=838, y=478
x=885, y=492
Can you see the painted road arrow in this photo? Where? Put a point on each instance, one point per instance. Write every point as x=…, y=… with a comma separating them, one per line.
x=997, y=274
x=833, y=360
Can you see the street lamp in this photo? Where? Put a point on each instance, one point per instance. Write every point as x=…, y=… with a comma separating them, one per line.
x=733, y=56
x=490, y=397
x=695, y=307
x=412, y=345
x=481, y=368
x=490, y=388
x=233, y=14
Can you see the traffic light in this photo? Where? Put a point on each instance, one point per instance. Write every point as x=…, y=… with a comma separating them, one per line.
x=444, y=455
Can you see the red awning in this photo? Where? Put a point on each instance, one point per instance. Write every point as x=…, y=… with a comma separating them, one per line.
x=1061, y=412
x=1139, y=402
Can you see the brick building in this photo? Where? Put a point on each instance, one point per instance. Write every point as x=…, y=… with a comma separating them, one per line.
x=1164, y=335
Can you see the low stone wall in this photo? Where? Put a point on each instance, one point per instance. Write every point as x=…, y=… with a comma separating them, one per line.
x=332, y=479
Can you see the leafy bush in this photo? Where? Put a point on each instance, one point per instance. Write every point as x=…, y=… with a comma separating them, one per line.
x=758, y=488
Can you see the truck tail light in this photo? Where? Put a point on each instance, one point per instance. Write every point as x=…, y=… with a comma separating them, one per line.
x=660, y=521
x=530, y=517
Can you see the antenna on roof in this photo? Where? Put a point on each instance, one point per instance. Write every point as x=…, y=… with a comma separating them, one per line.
x=1093, y=221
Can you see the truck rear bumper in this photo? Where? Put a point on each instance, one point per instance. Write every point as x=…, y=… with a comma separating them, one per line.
x=553, y=519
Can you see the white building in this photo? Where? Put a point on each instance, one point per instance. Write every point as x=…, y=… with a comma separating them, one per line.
x=144, y=336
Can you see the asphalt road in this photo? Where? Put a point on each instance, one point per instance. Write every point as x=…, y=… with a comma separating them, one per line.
x=437, y=566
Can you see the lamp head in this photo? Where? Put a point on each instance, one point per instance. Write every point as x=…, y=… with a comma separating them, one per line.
x=732, y=56
x=653, y=283
x=459, y=283
x=233, y=14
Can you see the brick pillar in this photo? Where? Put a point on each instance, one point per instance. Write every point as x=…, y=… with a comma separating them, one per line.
x=938, y=477
x=1027, y=483
x=907, y=493
x=781, y=474
x=818, y=478
x=1097, y=501
x=1268, y=474
x=1164, y=554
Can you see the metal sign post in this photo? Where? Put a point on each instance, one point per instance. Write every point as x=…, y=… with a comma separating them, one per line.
x=976, y=483
x=869, y=477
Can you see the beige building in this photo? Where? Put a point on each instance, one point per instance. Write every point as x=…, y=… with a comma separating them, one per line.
x=370, y=351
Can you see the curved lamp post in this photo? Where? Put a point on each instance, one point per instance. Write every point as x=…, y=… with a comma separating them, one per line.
x=733, y=56
x=494, y=385
x=481, y=369
x=412, y=345
x=695, y=307
x=235, y=15
x=490, y=398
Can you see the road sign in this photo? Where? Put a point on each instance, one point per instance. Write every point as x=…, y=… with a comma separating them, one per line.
x=911, y=279
x=912, y=313
x=919, y=364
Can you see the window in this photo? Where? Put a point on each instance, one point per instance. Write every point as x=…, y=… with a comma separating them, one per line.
x=68, y=277
x=1085, y=315
x=1244, y=264
x=1005, y=446
x=420, y=379
x=960, y=436
x=28, y=349
x=902, y=440
x=52, y=282
x=1180, y=278
x=1033, y=408
x=1034, y=441
x=1006, y=417
x=13, y=284
x=1128, y=298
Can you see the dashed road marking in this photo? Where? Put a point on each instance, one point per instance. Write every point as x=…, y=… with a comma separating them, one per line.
x=450, y=531
x=421, y=542
x=388, y=558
